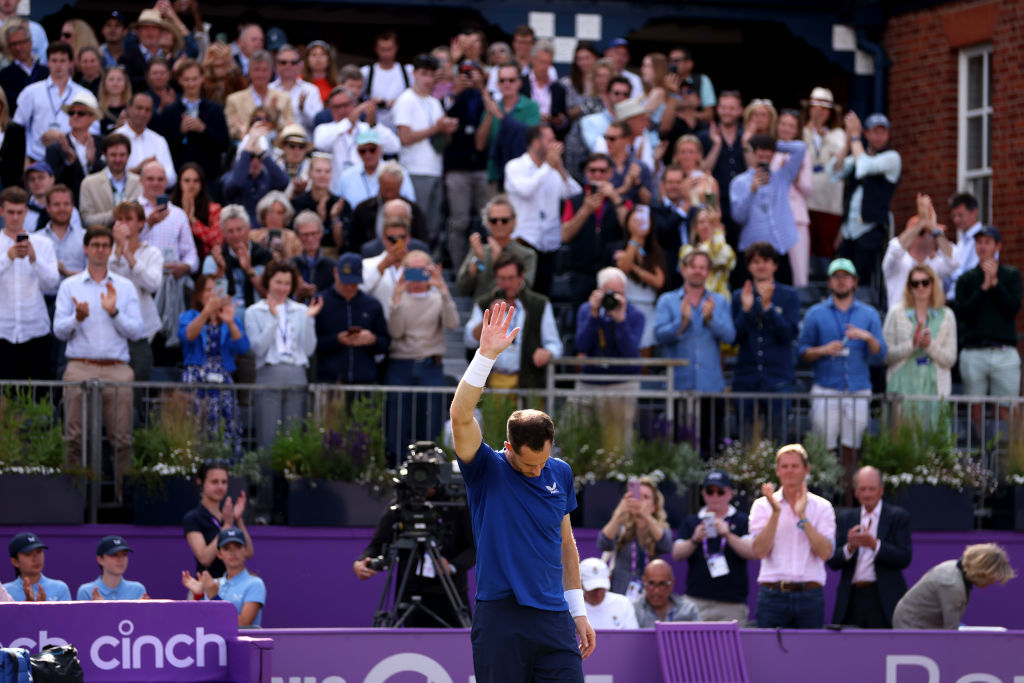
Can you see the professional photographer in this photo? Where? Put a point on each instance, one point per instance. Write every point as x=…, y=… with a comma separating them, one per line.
x=429, y=504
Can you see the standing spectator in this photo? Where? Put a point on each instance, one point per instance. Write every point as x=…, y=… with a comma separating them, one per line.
x=501, y=135
x=97, y=314
x=840, y=338
x=282, y=337
x=25, y=68
x=682, y=59
x=582, y=96
x=146, y=143
x=275, y=214
x=351, y=331
x=788, y=129
x=211, y=334
x=194, y=127
x=537, y=183
x=114, y=29
x=216, y=511
x=203, y=213
x=766, y=315
x=605, y=609
x=424, y=129
x=89, y=69
x=315, y=269
x=759, y=198
x=724, y=156
x=39, y=181
x=66, y=235
x=548, y=93
x=319, y=68
x=386, y=79
x=159, y=89
x=382, y=272
x=465, y=166
x=872, y=550
x=539, y=341
x=239, y=106
x=167, y=227
x=653, y=73
x=963, y=210
x=221, y=74
x=643, y=261
x=632, y=179
x=920, y=336
x=825, y=139
x=254, y=174
x=394, y=211
x=793, y=535
x=102, y=191
x=251, y=41
x=77, y=153
x=306, y=99
x=148, y=30
x=238, y=259
x=870, y=172
x=636, y=534
x=709, y=237
x=12, y=146
x=339, y=135
x=922, y=242
x=114, y=93
x=35, y=108
x=30, y=584
x=112, y=557
x=291, y=152
x=8, y=11
x=683, y=117
x=361, y=181
x=591, y=101
x=714, y=542
x=420, y=310
x=476, y=274
x=618, y=51
x=593, y=126
x=28, y=268
x=658, y=602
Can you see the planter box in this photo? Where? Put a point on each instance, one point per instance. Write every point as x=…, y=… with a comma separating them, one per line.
x=1008, y=508
x=677, y=503
x=166, y=503
x=935, y=508
x=318, y=502
x=28, y=499
x=596, y=502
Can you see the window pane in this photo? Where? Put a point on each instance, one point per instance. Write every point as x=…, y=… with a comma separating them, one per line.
x=988, y=73
x=979, y=187
x=974, y=142
x=988, y=141
x=975, y=74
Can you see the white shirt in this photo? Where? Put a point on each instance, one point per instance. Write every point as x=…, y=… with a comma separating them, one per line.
x=288, y=338
x=355, y=185
x=537, y=193
x=68, y=250
x=99, y=336
x=339, y=138
x=614, y=612
x=897, y=263
x=146, y=276
x=22, y=283
x=418, y=112
x=39, y=110
x=966, y=256
x=508, y=363
x=148, y=144
x=635, y=81
x=865, y=569
x=172, y=236
x=387, y=85
x=381, y=286
x=310, y=108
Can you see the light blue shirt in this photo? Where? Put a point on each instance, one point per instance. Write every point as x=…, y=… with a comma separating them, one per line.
x=287, y=339
x=69, y=250
x=355, y=185
x=823, y=323
x=125, y=590
x=243, y=588
x=592, y=127
x=508, y=362
x=887, y=163
x=698, y=343
x=765, y=213
x=966, y=254
x=39, y=110
x=99, y=336
x=55, y=590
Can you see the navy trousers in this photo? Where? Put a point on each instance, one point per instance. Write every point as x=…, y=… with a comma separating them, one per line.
x=516, y=644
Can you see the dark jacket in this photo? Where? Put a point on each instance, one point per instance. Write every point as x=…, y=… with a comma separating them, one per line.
x=205, y=148
x=349, y=364
x=767, y=359
x=894, y=555
x=258, y=256
x=530, y=376
x=12, y=156
x=72, y=174
x=666, y=224
x=986, y=318
x=602, y=337
x=322, y=274
x=241, y=188
x=13, y=80
x=558, y=103
x=588, y=249
x=510, y=144
x=363, y=226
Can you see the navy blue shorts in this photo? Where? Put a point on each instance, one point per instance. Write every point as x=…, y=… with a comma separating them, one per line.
x=513, y=644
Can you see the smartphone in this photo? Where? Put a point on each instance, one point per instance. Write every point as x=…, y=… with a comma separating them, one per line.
x=355, y=329
x=275, y=234
x=220, y=287
x=635, y=489
x=161, y=200
x=416, y=275
x=594, y=189
x=23, y=236
x=643, y=217
x=709, y=526
x=764, y=167
x=710, y=201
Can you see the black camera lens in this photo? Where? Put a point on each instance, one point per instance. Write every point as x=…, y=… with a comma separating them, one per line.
x=609, y=301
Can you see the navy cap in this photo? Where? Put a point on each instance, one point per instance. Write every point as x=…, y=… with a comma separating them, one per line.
x=112, y=544
x=717, y=478
x=23, y=543
x=875, y=120
x=118, y=16
x=39, y=166
x=275, y=38
x=990, y=231
x=233, y=535
x=618, y=42
x=350, y=269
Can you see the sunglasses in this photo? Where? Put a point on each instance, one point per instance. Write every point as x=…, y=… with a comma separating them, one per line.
x=619, y=93
x=367, y=150
x=714, y=491
x=611, y=138
x=79, y=112
x=658, y=584
x=261, y=120
x=494, y=220
x=920, y=283
x=598, y=169
x=508, y=80
x=288, y=62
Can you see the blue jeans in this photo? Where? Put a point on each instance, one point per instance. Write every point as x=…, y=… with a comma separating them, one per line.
x=516, y=643
x=797, y=609
x=413, y=417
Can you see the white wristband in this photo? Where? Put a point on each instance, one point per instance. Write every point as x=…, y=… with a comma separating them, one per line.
x=479, y=368
x=577, y=606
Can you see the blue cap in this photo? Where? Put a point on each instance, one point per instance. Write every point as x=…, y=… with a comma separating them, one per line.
x=875, y=120
x=39, y=166
x=350, y=269
x=275, y=38
x=618, y=42
x=112, y=544
x=232, y=535
x=717, y=478
x=23, y=543
x=990, y=231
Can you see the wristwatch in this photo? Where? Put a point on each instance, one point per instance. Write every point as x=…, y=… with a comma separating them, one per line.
x=114, y=314
x=801, y=523
x=937, y=233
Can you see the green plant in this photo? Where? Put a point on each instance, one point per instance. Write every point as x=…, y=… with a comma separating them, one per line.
x=31, y=440
x=661, y=459
x=578, y=439
x=1012, y=460
x=752, y=464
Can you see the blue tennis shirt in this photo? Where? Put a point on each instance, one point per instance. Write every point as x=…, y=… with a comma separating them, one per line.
x=126, y=590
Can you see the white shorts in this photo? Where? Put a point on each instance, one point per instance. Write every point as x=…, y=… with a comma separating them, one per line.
x=841, y=419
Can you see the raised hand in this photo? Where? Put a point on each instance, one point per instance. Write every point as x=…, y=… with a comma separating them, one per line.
x=747, y=296
x=81, y=309
x=227, y=512
x=95, y=594
x=768, y=491
x=495, y=336
x=707, y=308
x=766, y=289
x=238, y=511
x=800, y=506
x=316, y=304
x=209, y=585
x=109, y=299
x=191, y=583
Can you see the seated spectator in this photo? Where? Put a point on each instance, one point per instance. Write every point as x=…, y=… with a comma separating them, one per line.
x=274, y=214
x=238, y=259
x=320, y=69
x=239, y=106
x=203, y=213
x=103, y=190
x=659, y=603
x=605, y=609
x=112, y=557
x=291, y=153
x=315, y=269
x=608, y=325
x=211, y=334
x=922, y=242
x=351, y=331
x=360, y=182
x=245, y=591
x=30, y=585
x=523, y=364
x=306, y=99
x=708, y=236
x=77, y=153
x=632, y=178
x=368, y=218
x=714, y=546
x=591, y=221
x=475, y=277
x=939, y=599
x=338, y=135
x=420, y=310
x=194, y=126
x=282, y=335
x=920, y=337
x=643, y=262
x=216, y=511
x=636, y=534
x=254, y=173
x=146, y=143
x=319, y=200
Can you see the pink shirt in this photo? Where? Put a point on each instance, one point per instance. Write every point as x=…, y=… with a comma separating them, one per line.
x=791, y=557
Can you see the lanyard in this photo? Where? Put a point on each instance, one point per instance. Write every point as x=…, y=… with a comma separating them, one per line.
x=55, y=108
x=366, y=183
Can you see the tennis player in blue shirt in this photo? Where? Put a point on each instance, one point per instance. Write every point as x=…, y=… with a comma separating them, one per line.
x=112, y=556
x=529, y=601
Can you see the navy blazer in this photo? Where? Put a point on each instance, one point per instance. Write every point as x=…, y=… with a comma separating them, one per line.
x=206, y=148
x=767, y=358
x=13, y=80
x=72, y=174
x=559, y=103
x=894, y=555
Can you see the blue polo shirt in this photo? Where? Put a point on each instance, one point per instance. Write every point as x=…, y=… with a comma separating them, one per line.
x=55, y=590
x=823, y=323
x=517, y=523
x=126, y=590
x=241, y=589
x=699, y=343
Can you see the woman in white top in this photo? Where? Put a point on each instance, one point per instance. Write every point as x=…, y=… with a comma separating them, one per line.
x=788, y=127
x=688, y=155
x=282, y=336
x=824, y=135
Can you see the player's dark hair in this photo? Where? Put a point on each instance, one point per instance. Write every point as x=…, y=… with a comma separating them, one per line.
x=530, y=428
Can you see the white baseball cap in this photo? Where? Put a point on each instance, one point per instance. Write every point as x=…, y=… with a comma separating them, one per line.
x=594, y=573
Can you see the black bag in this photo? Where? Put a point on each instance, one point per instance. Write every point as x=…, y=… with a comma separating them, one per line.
x=57, y=664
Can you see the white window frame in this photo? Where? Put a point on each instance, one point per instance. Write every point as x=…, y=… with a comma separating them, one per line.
x=965, y=177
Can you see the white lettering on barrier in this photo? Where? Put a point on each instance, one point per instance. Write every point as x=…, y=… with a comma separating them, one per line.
x=131, y=651
x=408, y=662
x=978, y=678
x=893, y=662
x=306, y=679
x=44, y=640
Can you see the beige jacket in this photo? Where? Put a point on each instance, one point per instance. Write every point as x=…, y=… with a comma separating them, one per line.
x=239, y=106
x=96, y=198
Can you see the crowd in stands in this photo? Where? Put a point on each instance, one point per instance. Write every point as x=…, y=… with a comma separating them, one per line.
x=261, y=213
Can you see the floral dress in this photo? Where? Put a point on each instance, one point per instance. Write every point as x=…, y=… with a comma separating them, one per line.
x=217, y=410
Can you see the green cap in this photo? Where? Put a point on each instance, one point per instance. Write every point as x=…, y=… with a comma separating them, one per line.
x=843, y=264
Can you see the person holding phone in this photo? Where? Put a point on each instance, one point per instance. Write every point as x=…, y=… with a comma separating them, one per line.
x=166, y=227
x=636, y=534
x=643, y=261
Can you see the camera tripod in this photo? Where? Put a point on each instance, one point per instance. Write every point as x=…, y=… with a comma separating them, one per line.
x=420, y=546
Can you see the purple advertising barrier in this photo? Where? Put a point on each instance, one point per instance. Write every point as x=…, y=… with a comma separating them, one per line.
x=374, y=656
x=131, y=641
